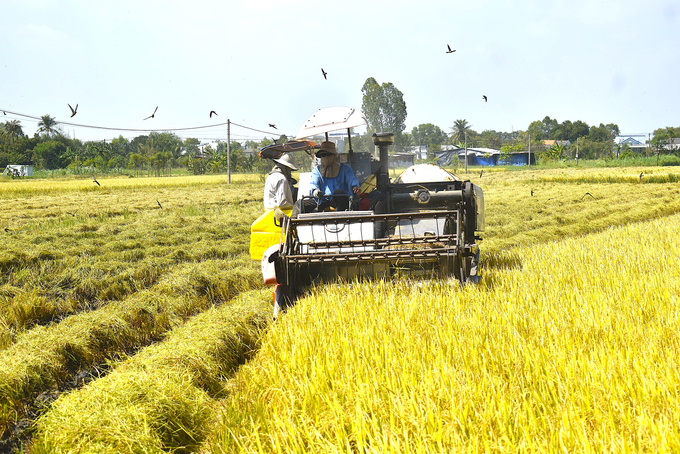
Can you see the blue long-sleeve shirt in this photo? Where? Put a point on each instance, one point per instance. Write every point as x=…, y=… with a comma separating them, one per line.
x=345, y=181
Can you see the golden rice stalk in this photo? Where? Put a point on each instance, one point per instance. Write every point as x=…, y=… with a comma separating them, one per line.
x=573, y=349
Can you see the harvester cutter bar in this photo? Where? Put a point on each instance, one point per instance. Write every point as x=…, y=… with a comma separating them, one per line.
x=385, y=242
x=377, y=217
x=374, y=256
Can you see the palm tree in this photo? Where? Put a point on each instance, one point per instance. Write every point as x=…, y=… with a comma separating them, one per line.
x=12, y=130
x=47, y=126
x=460, y=127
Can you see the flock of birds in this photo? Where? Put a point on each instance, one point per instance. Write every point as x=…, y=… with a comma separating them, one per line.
x=153, y=115
x=271, y=125
x=212, y=112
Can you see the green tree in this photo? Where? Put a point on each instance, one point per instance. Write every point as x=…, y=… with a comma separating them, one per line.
x=535, y=131
x=137, y=162
x=384, y=108
x=548, y=125
x=11, y=130
x=160, y=162
x=668, y=130
x=603, y=133
x=167, y=142
x=661, y=143
x=570, y=131
x=428, y=134
x=603, y=139
x=664, y=140
x=490, y=139
x=556, y=151
x=47, y=126
x=48, y=154
x=97, y=154
x=458, y=131
x=238, y=159
x=148, y=150
x=191, y=145
x=592, y=149
x=117, y=162
x=120, y=148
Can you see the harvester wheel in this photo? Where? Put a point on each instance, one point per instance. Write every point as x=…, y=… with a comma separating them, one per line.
x=469, y=212
x=460, y=268
x=474, y=268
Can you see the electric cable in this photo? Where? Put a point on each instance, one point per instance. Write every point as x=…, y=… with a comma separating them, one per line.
x=143, y=130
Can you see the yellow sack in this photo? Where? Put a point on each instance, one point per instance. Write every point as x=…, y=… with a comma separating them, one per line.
x=264, y=233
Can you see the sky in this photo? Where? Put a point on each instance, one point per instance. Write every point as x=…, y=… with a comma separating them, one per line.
x=258, y=62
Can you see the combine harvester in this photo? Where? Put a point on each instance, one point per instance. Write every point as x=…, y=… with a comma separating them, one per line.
x=424, y=223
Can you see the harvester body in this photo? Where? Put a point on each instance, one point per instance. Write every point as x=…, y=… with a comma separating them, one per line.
x=424, y=223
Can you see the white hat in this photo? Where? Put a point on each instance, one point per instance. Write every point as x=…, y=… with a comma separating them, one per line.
x=286, y=160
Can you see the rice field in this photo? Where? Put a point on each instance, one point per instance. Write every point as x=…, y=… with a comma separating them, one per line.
x=572, y=349
x=133, y=321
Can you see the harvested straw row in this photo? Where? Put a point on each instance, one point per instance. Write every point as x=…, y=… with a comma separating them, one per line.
x=162, y=399
x=46, y=357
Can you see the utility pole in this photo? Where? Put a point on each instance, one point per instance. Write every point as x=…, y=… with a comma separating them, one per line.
x=466, y=159
x=529, y=155
x=649, y=142
x=228, y=150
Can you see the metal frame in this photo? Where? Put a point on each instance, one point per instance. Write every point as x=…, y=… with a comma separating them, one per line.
x=446, y=248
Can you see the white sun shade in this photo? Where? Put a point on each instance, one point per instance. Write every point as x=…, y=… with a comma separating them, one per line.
x=331, y=119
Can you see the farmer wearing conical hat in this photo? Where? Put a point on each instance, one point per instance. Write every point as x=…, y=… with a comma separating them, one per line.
x=278, y=185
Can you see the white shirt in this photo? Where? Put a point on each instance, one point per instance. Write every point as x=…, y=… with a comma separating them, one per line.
x=277, y=191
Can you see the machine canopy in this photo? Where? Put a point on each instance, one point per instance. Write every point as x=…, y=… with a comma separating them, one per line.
x=331, y=119
x=275, y=151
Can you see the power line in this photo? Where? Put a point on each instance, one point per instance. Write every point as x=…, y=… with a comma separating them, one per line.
x=142, y=130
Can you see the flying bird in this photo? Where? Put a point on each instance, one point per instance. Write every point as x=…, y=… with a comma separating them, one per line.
x=641, y=175
x=212, y=112
x=532, y=193
x=324, y=74
x=7, y=230
x=484, y=98
x=450, y=51
x=272, y=126
x=159, y=204
x=587, y=193
x=94, y=179
x=152, y=115
x=73, y=111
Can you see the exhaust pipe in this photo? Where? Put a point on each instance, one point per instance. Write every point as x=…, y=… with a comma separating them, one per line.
x=382, y=140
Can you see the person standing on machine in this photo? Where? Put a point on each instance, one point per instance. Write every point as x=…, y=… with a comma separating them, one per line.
x=278, y=187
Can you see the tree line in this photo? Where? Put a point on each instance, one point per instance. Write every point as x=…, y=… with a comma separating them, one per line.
x=153, y=154
x=384, y=107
